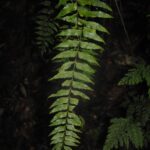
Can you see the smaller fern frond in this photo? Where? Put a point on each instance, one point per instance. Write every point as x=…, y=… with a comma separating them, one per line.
x=137, y=75
x=134, y=76
x=139, y=108
x=122, y=132
x=135, y=135
x=46, y=28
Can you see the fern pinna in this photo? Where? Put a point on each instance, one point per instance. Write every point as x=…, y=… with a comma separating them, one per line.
x=79, y=44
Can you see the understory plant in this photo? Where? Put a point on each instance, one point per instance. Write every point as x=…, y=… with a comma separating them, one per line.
x=75, y=34
x=132, y=131
x=80, y=43
x=46, y=28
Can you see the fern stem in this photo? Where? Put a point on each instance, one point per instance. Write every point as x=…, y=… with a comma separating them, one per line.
x=71, y=83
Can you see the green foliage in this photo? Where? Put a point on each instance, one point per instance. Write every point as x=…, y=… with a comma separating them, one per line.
x=79, y=44
x=122, y=132
x=46, y=27
x=133, y=128
x=139, y=109
x=137, y=75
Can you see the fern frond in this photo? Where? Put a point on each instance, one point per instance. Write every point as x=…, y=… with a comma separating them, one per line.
x=139, y=107
x=46, y=28
x=79, y=44
x=136, y=135
x=137, y=75
x=122, y=132
x=134, y=76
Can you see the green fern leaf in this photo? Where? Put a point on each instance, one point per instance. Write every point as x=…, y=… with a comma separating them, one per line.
x=77, y=85
x=80, y=94
x=88, y=58
x=137, y=75
x=46, y=28
x=59, y=115
x=62, y=75
x=134, y=76
x=67, y=9
x=71, y=19
x=57, y=130
x=59, y=108
x=84, y=12
x=60, y=93
x=78, y=47
x=95, y=3
x=59, y=101
x=70, y=32
x=92, y=46
x=66, y=54
x=91, y=34
x=136, y=136
x=66, y=66
x=122, y=132
x=94, y=25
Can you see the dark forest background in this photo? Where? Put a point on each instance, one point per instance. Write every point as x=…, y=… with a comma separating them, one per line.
x=24, y=71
